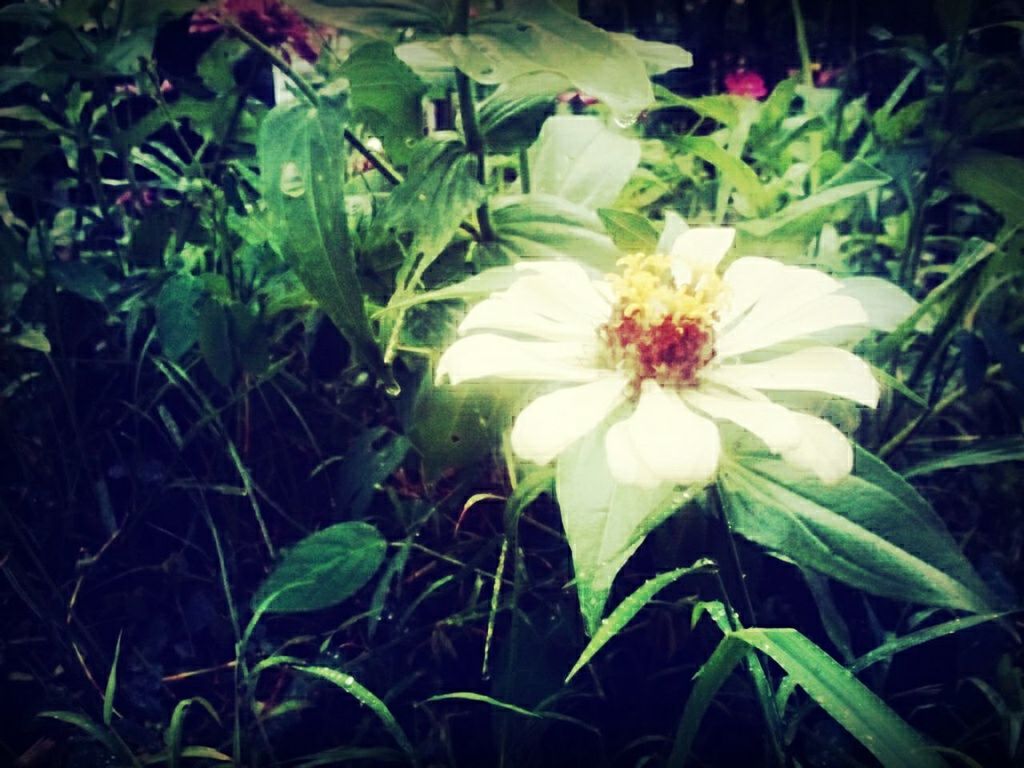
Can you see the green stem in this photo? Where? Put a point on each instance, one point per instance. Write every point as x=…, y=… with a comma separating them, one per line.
x=763, y=682
x=524, y=171
x=470, y=124
x=313, y=98
x=801, y=43
x=953, y=397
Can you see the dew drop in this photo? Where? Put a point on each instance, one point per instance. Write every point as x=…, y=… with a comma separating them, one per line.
x=421, y=197
x=292, y=184
x=348, y=681
x=625, y=119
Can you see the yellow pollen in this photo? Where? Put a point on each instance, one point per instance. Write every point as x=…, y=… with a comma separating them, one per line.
x=648, y=293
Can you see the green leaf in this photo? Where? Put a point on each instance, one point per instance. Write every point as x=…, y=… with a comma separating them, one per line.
x=733, y=170
x=580, y=159
x=438, y=193
x=377, y=18
x=537, y=35
x=175, y=730
x=301, y=151
x=630, y=607
x=511, y=117
x=540, y=226
x=976, y=454
x=177, y=320
x=470, y=696
x=326, y=568
x=86, y=279
x=848, y=701
x=604, y=521
x=870, y=530
x=111, y=689
x=215, y=341
x=657, y=57
x=385, y=95
x=995, y=179
x=857, y=179
x=349, y=684
x=631, y=232
x=455, y=427
x=86, y=724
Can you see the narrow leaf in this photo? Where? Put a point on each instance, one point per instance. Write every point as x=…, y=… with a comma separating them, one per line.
x=630, y=607
x=108, y=694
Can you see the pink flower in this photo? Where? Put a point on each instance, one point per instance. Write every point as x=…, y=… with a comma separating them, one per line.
x=145, y=198
x=270, y=21
x=742, y=82
x=577, y=96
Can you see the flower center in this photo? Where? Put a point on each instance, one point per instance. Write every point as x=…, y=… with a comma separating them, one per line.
x=662, y=324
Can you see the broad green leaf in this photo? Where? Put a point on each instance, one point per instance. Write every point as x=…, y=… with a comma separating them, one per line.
x=301, y=151
x=604, y=521
x=329, y=566
x=979, y=453
x=895, y=128
x=579, y=158
x=538, y=36
x=856, y=180
x=385, y=95
x=630, y=607
x=631, y=232
x=351, y=686
x=377, y=18
x=438, y=193
x=541, y=226
x=995, y=179
x=455, y=427
x=870, y=530
x=215, y=341
x=177, y=320
x=86, y=279
x=511, y=117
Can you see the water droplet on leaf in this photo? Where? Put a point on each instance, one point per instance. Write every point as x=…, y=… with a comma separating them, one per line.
x=292, y=183
x=625, y=119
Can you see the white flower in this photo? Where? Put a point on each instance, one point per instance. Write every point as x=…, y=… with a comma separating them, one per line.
x=669, y=348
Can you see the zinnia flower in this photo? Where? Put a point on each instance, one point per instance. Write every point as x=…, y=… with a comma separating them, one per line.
x=270, y=21
x=668, y=350
x=743, y=82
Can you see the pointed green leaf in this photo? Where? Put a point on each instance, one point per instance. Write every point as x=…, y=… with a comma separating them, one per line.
x=630, y=607
x=301, y=154
x=377, y=18
x=111, y=689
x=631, y=232
x=870, y=530
x=982, y=452
x=326, y=567
x=511, y=117
x=604, y=521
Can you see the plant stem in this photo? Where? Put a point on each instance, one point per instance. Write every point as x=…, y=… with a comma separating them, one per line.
x=524, y=171
x=763, y=682
x=470, y=124
x=801, y=43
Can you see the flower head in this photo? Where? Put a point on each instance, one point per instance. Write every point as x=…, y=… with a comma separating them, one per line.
x=673, y=354
x=743, y=82
x=270, y=21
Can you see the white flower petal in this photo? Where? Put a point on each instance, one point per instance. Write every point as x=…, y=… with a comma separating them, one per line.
x=701, y=248
x=662, y=441
x=748, y=279
x=485, y=355
x=561, y=289
x=777, y=426
x=553, y=422
x=886, y=304
x=507, y=314
x=755, y=332
x=815, y=369
x=822, y=449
